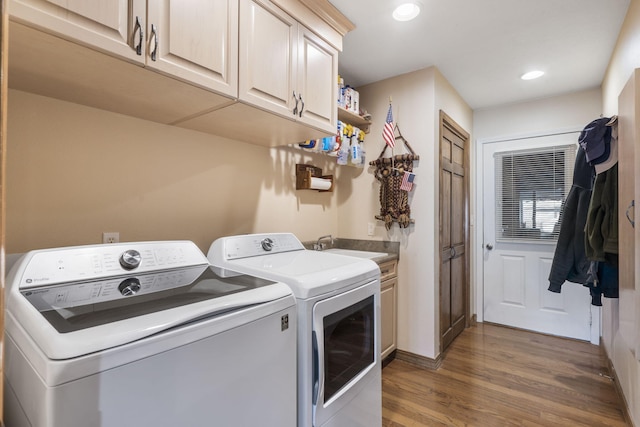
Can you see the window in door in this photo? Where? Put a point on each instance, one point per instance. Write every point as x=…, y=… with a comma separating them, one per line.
x=531, y=186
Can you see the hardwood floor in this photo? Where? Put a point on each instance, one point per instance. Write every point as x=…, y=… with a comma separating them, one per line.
x=497, y=376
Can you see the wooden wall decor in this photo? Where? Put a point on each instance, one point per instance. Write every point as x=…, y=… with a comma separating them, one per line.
x=390, y=171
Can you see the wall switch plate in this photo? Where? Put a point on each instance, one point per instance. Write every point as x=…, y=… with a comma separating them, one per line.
x=111, y=237
x=371, y=228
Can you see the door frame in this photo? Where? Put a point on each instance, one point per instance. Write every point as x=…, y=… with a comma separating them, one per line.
x=446, y=121
x=4, y=95
x=478, y=260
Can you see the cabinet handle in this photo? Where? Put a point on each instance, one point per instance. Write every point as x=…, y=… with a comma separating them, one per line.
x=154, y=35
x=302, y=102
x=138, y=28
x=631, y=205
x=295, y=109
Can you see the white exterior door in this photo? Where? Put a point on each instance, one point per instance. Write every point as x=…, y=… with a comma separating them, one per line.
x=517, y=264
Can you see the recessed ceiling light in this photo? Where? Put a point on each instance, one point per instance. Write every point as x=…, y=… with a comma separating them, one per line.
x=532, y=75
x=406, y=12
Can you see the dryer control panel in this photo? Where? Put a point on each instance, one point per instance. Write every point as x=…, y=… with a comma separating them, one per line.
x=87, y=263
x=250, y=245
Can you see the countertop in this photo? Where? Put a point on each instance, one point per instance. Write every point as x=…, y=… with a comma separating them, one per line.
x=392, y=249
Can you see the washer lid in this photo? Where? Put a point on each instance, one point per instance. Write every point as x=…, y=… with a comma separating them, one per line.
x=75, y=319
x=308, y=273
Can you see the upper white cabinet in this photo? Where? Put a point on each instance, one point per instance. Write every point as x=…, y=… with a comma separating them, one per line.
x=285, y=68
x=317, y=81
x=195, y=41
x=114, y=26
x=268, y=52
x=243, y=69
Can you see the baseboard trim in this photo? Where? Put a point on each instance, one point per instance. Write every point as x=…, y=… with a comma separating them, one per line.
x=420, y=361
x=474, y=320
x=616, y=382
x=389, y=358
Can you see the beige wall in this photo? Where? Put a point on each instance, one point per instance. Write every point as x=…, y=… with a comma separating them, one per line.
x=417, y=98
x=565, y=112
x=74, y=172
x=625, y=59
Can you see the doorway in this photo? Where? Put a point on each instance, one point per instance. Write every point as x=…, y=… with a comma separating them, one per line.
x=454, y=230
x=524, y=182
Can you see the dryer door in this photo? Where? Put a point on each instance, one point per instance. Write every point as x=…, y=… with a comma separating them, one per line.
x=347, y=351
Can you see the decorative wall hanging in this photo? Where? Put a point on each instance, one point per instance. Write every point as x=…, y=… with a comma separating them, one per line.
x=396, y=176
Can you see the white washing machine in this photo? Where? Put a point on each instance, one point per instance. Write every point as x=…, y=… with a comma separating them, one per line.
x=338, y=297
x=145, y=335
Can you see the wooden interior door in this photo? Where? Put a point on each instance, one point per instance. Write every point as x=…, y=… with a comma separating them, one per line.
x=454, y=231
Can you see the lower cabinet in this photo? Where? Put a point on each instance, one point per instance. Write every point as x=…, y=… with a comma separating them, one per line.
x=388, y=308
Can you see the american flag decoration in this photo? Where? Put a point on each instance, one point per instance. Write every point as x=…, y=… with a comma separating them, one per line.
x=407, y=181
x=387, y=130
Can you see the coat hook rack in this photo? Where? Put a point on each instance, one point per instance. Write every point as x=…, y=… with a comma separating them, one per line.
x=310, y=177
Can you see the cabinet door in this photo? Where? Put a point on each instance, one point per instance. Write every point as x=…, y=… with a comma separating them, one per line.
x=196, y=41
x=268, y=38
x=629, y=175
x=112, y=26
x=317, y=81
x=388, y=304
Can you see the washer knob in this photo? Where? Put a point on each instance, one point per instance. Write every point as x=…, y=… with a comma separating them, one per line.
x=267, y=244
x=129, y=287
x=130, y=259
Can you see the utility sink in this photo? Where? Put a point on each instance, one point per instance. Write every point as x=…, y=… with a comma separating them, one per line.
x=356, y=253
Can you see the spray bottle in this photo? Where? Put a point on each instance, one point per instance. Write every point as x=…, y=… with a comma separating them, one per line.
x=343, y=154
x=356, y=153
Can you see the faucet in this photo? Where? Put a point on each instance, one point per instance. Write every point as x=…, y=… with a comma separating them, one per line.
x=320, y=246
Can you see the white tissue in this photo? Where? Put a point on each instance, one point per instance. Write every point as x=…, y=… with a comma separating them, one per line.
x=320, y=183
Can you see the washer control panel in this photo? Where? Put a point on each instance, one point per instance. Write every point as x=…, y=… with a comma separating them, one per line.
x=85, y=263
x=250, y=245
x=109, y=289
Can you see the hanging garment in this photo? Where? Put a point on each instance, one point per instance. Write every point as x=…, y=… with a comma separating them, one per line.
x=570, y=262
x=603, y=279
x=601, y=229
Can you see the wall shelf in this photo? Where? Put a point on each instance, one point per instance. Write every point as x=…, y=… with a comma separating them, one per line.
x=310, y=177
x=354, y=119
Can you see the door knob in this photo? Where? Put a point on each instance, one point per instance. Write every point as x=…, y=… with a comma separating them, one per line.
x=489, y=246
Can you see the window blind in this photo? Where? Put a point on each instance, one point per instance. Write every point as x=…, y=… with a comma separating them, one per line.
x=531, y=186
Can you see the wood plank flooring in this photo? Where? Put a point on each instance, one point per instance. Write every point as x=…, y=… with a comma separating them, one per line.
x=497, y=376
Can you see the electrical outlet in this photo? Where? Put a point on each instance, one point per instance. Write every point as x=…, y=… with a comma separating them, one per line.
x=111, y=237
x=371, y=228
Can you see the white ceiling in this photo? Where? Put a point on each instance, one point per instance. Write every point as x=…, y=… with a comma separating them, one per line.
x=482, y=47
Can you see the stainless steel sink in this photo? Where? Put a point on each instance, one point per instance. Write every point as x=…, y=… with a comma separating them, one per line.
x=356, y=253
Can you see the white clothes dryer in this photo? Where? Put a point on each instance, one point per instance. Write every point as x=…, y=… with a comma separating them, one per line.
x=338, y=298
x=146, y=335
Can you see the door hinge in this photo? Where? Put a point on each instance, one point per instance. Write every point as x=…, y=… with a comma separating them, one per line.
x=590, y=318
